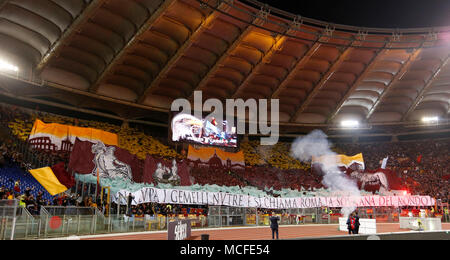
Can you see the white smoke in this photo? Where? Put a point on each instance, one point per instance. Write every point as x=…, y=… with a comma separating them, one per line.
x=316, y=144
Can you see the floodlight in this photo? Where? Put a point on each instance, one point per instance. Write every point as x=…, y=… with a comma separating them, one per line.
x=5, y=66
x=350, y=123
x=434, y=119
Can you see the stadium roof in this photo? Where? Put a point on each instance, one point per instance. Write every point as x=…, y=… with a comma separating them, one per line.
x=134, y=59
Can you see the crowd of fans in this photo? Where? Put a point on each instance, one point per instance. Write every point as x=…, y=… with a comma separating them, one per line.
x=155, y=209
x=33, y=203
x=26, y=199
x=217, y=176
x=9, y=154
x=424, y=166
x=269, y=177
x=134, y=139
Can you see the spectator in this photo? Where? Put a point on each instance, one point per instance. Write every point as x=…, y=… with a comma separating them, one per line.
x=2, y=192
x=17, y=187
x=129, y=203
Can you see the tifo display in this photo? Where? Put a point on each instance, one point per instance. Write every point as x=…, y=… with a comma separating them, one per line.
x=77, y=166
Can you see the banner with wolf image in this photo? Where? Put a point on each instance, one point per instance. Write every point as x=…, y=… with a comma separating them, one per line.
x=108, y=160
x=158, y=170
x=116, y=163
x=380, y=180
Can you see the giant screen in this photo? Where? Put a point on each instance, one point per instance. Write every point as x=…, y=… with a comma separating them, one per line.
x=187, y=128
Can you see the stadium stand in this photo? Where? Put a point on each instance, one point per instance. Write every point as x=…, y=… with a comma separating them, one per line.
x=268, y=167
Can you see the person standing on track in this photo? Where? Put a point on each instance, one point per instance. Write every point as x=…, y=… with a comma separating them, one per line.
x=350, y=224
x=274, y=225
x=129, y=203
x=356, y=229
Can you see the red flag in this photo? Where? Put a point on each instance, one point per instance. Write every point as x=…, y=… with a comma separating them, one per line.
x=419, y=158
x=149, y=169
x=82, y=159
x=63, y=176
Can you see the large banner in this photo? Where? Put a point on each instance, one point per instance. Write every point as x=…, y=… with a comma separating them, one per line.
x=116, y=163
x=173, y=196
x=62, y=137
x=109, y=161
x=205, y=155
x=341, y=160
x=158, y=170
x=380, y=180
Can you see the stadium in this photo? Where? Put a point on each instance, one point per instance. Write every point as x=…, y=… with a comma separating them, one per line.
x=219, y=120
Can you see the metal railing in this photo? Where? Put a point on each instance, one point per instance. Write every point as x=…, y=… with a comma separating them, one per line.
x=70, y=211
x=8, y=218
x=53, y=222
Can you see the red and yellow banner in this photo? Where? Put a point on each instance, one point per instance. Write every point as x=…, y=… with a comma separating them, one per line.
x=57, y=133
x=205, y=154
x=48, y=180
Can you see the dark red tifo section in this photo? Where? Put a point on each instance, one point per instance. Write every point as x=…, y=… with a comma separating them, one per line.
x=257, y=233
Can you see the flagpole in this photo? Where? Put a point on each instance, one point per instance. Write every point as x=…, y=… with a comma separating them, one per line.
x=96, y=186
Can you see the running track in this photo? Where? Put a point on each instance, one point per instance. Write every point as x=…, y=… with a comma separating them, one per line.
x=254, y=233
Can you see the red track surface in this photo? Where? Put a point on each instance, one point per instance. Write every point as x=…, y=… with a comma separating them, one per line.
x=260, y=233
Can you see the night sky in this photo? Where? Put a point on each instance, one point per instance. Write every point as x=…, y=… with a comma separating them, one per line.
x=371, y=13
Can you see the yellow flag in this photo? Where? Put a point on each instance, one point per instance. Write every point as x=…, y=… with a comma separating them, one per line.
x=349, y=160
x=48, y=180
x=340, y=160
